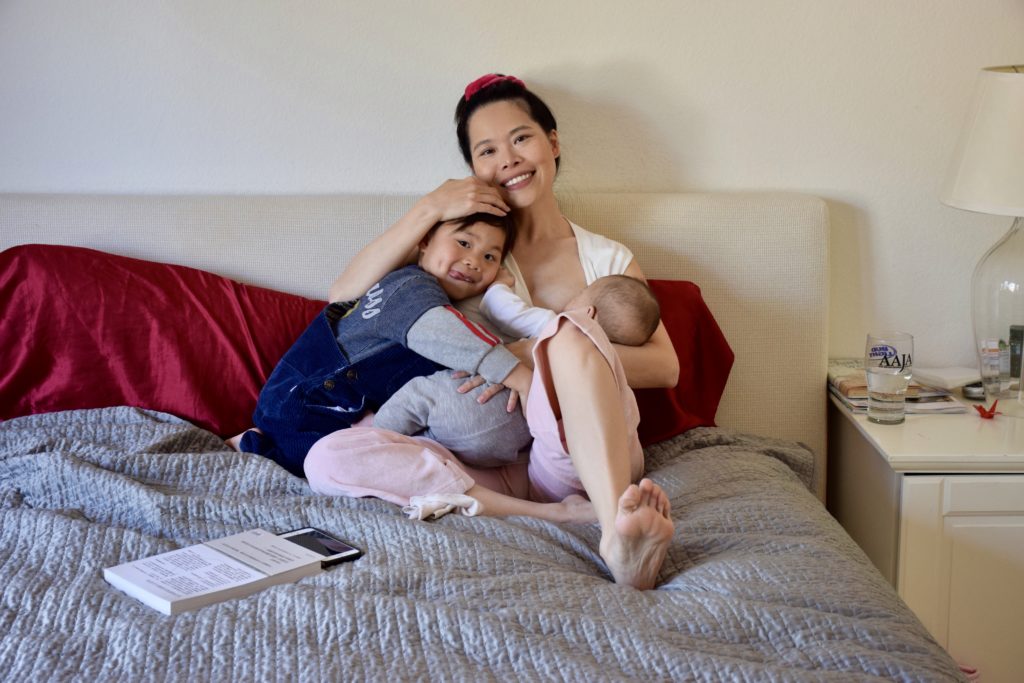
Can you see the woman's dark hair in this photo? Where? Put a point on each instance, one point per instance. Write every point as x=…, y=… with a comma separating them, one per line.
x=501, y=91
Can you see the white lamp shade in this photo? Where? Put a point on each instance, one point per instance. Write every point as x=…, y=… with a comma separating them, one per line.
x=987, y=174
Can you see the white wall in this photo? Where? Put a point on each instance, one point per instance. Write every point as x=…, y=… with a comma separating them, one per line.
x=859, y=102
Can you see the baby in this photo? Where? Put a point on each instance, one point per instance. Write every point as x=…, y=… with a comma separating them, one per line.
x=626, y=309
x=487, y=435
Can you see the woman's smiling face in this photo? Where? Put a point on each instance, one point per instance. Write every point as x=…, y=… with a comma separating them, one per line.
x=510, y=150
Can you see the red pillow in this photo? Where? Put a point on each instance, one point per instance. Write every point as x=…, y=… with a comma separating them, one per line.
x=705, y=360
x=87, y=329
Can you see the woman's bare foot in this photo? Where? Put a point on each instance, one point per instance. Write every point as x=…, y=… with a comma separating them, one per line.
x=635, y=549
x=236, y=441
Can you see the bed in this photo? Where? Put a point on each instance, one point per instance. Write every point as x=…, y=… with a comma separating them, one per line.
x=759, y=584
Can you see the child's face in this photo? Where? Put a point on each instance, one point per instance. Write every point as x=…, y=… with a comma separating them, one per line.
x=464, y=261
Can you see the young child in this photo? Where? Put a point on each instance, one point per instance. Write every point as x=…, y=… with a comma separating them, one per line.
x=487, y=435
x=356, y=354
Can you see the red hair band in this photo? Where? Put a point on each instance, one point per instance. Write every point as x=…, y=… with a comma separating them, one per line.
x=489, y=80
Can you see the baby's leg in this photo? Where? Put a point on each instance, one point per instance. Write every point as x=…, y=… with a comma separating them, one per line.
x=408, y=410
x=481, y=435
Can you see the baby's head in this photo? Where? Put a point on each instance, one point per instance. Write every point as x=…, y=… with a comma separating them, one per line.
x=464, y=254
x=626, y=308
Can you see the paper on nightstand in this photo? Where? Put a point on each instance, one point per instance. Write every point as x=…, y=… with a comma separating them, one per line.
x=946, y=378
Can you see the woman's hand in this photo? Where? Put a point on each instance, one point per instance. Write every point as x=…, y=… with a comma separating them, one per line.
x=490, y=392
x=458, y=198
x=474, y=381
x=523, y=350
x=398, y=245
x=523, y=374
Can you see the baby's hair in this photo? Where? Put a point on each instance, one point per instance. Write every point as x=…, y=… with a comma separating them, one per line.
x=500, y=88
x=504, y=223
x=626, y=309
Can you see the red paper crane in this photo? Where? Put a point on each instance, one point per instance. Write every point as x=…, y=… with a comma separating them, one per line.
x=988, y=413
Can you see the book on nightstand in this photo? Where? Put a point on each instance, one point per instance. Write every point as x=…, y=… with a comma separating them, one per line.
x=226, y=568
x=848, y=382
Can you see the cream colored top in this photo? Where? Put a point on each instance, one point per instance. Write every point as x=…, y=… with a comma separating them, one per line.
x=599, y=256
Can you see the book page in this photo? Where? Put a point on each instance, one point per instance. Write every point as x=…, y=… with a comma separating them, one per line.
x=265, y=551
x=187, y=572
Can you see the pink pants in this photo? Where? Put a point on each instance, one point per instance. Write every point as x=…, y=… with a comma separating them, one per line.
x=361, y=461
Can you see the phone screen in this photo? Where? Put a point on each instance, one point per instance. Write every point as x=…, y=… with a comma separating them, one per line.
x=333, y=549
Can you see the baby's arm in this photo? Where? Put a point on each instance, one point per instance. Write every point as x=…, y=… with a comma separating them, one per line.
x=511, y=314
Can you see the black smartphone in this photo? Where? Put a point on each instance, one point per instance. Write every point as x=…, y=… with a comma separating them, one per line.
x=974, y=390
x=334, y=550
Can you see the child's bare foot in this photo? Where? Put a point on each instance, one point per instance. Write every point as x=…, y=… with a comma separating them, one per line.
x=635, y=549
x=236, y=441
x=578, y=510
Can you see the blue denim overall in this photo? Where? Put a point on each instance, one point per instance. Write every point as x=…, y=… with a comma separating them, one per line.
x=350, y=359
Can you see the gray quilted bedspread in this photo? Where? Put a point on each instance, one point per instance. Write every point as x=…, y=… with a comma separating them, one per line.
x=760, y=583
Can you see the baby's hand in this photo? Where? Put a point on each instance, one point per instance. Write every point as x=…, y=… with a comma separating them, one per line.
x=505, y=277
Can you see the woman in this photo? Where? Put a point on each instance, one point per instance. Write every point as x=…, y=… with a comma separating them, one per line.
x=509, y=138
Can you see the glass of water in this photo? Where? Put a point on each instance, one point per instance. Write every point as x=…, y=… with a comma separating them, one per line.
x=888, y=363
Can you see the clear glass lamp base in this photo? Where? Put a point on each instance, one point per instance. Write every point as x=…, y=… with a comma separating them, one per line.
x=997, y=294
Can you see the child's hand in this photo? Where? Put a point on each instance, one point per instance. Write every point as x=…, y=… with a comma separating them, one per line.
x=505, y=277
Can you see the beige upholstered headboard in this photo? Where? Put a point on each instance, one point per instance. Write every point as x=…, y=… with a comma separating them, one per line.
x=761, y=260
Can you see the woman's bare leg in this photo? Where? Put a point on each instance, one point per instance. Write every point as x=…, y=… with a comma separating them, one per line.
x=573, y=509
x=635, y=524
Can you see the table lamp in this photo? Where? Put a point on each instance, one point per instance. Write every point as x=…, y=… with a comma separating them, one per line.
x=987, y=175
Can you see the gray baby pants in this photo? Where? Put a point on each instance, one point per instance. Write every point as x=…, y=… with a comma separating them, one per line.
x=482, y=435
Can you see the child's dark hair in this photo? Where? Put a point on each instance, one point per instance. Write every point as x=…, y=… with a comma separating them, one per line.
x=504, y=223
x=499, y=88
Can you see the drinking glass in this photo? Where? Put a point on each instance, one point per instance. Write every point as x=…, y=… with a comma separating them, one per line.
x=888, y=364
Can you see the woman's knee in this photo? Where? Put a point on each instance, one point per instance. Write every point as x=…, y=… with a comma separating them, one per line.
x=570, y=350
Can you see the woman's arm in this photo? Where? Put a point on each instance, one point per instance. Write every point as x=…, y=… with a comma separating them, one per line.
x=389, y=251
x=652, y=365
x=655, y=363
x=397, y=245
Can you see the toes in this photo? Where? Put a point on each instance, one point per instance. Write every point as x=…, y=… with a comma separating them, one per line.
x=631, y=498
x=664, y=505
x=654, y=496
x=646, y=487
x=645, y=494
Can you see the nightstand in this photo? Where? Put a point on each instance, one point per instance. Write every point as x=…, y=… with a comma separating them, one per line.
x=937, y=503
